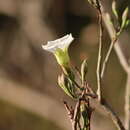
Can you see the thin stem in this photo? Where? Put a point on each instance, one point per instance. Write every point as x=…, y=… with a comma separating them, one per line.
x=89, y=125
x=123, y=62
x=79, y=125
x=75, y=118
x=77, y=85
x=99, y=91
x=114, y=116
x=111, y=30
x=102, y=102
x=127, y=103
x=108, y=56
x=110, y=111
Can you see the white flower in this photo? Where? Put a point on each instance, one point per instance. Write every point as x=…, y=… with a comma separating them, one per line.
x=61, y=43
x=59, y=48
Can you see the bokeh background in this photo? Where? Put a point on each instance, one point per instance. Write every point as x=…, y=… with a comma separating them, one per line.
x=30, y=98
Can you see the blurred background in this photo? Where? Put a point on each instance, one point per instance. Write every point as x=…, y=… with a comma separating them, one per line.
x=30, y=98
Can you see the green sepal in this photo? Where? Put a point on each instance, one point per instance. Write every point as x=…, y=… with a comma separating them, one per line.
x=62, y=56
x=66, y=84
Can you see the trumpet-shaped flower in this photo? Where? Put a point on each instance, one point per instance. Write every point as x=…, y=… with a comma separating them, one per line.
x=59, y=48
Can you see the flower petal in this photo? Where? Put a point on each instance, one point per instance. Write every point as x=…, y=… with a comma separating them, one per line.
x=61, y=43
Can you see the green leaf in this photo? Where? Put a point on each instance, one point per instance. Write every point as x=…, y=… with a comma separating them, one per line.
x=124, y=17
x=84, y=70
x=93, y=3
x=127, y=22
x=114, y=9
x=66, y=84
x=84, y=115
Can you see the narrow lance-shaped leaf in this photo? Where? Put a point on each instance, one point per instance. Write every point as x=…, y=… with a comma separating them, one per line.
x=124, y=17
x=85, y=116
x=84, y=69
x=66, y=85
x=114, y=9
x=93, y=3
x=127, y=22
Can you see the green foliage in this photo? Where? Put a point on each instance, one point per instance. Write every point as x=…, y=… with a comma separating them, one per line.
x=67, y=85
x=124, y=21
x=94, y=3
x=114, y=9
x=85, y=116
x=127, y=22
x=84, y=70
x=124, y=18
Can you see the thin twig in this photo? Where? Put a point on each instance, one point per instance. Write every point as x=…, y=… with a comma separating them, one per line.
x=76, y=112
x=77, y=85
x=79, y=125
x=69, y=110
x=123, y=63
x=77, y=71
x=114, y=116
x=89, y=111
x=102, y=102
x=110, y=111
x=99, y=90
x=91, y=95
x=127, y=104
x=73, y=114
x=108, y=56
x=111, y=30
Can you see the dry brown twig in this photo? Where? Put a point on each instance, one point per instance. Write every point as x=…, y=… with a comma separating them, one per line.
x=104, y=104
x=111, y=30
x=99, y=90
x=100, y=71
x=74, y=114
x=108, y=56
